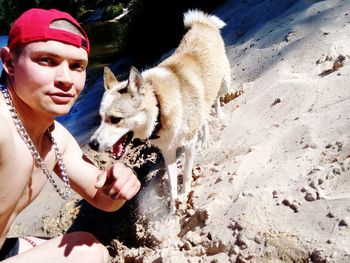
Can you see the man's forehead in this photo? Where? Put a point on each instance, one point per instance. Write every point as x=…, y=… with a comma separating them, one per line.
x=56, y=48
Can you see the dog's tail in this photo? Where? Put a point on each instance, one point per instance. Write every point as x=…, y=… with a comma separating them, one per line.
x=196, y=16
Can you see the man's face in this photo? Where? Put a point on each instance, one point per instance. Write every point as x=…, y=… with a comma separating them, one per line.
x=49, y=76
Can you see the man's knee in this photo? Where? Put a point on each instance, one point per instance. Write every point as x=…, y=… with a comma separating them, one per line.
x=89, y=246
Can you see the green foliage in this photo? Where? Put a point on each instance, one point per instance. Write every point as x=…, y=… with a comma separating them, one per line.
x=112, y=11
x=8, y=12
x=151, y=27
x=11, y=9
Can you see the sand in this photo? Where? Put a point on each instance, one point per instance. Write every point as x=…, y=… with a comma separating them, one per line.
x=274, y=185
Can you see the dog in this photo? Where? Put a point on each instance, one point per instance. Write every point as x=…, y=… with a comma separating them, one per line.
x=169, y=104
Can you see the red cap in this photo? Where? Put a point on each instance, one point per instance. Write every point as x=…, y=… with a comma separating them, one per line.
x=34, y=25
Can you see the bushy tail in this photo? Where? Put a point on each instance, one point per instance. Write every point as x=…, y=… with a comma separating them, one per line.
x=196, y=16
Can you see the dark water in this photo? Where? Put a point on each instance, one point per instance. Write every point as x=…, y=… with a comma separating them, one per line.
x=3, y=42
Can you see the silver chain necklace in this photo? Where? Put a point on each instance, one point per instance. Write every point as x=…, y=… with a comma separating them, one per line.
x=65, y=192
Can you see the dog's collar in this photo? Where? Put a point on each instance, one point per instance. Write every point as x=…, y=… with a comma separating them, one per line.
x=158, y=126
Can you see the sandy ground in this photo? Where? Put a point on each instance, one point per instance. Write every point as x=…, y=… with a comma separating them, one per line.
x=274, y=186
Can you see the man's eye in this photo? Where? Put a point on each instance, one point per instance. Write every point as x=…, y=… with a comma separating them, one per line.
x=115, y=120
x=78, y=67
x=45, y=60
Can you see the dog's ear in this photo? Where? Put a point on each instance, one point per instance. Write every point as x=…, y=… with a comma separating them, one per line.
x=109, y=80
x=136, y=82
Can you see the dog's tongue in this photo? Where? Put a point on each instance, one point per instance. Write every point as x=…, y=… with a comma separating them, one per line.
x=119, y=147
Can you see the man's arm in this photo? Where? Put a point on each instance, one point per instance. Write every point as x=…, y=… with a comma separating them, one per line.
x=106, y=190
x=8, y=156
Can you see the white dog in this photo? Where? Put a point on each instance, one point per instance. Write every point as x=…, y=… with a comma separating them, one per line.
x=169, y=104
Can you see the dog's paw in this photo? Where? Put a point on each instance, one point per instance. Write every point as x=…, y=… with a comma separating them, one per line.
x=204, y=142
x=181, y=200
x=172, y=220
x=220, y=114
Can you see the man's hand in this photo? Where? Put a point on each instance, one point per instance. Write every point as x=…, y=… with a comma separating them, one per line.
x=118, y=182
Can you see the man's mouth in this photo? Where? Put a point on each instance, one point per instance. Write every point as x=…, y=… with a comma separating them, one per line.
x=119, y=147
x=61, y=97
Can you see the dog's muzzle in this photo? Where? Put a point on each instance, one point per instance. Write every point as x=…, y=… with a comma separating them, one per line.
x=118, y=148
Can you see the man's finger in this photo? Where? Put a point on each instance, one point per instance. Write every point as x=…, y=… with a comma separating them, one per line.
x=128, y=190
x=105, y=179
x=101, y=179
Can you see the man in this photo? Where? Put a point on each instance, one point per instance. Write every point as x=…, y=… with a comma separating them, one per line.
x=44, y=69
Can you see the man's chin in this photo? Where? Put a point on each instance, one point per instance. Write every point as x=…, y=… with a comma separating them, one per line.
x=60, y=110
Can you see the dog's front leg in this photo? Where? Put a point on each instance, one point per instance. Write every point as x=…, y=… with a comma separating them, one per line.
x=205, y=135
x=170, y=162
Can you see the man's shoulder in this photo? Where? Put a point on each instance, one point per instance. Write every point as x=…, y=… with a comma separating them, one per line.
x=60, y=133
x=62, y=136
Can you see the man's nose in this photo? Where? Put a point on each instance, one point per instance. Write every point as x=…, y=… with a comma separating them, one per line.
x=64, y=75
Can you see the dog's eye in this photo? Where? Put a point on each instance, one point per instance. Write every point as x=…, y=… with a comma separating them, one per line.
x=115, y=120
x=122, y=91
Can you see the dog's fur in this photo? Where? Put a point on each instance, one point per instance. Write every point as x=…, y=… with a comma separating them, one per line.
x=170, y=104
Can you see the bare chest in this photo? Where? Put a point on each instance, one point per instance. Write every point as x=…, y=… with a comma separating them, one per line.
x=22, y=177
x=21, y=181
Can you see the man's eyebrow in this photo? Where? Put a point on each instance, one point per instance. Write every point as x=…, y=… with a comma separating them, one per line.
x=55, y=55
x=80, y=61
x=42, y=52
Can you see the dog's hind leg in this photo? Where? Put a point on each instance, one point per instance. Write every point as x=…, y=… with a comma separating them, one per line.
x=189, y=160
x=219, y=113
x=224, y=88
x=170, y=163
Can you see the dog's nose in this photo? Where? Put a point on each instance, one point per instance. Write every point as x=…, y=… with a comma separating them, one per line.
x=94, y=144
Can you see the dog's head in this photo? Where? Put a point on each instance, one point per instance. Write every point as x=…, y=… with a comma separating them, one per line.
x=121, y=112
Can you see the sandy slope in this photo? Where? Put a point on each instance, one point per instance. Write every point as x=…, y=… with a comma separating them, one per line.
x=275, y=184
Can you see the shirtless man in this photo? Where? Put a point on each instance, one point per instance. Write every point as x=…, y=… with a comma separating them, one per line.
x=44, y=70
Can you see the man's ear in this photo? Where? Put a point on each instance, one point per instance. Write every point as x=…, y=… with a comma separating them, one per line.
x=7, y=60
x=109, y=79
x=136, y=82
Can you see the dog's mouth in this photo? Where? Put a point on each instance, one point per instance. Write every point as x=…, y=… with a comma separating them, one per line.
x=119, y=147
